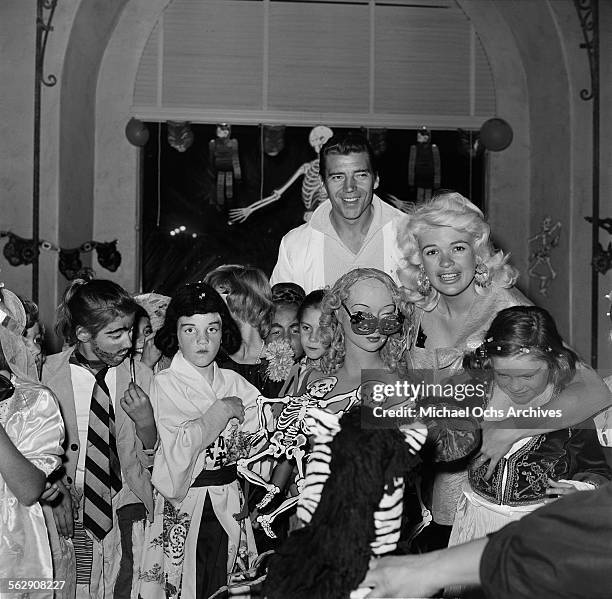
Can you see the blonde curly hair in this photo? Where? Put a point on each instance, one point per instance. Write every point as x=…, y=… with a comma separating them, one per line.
x=332, y=331
x=449, y=209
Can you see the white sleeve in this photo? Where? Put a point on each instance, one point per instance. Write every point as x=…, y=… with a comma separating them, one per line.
x=181, y=443
x=282, y=271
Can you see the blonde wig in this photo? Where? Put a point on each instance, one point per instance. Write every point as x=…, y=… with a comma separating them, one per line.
x=332, y=331
x=248, y=294
x=449, y=209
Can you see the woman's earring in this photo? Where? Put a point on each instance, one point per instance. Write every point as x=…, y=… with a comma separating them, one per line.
x=481, y=274
x=423, y=282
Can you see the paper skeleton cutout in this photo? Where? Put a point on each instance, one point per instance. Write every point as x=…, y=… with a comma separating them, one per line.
x=289, y=439
x=541, y=245
x=313, y=193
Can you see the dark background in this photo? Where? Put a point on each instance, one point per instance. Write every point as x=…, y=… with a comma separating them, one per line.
x=179, y=189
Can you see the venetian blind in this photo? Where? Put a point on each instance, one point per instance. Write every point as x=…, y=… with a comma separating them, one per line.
x=385, y=63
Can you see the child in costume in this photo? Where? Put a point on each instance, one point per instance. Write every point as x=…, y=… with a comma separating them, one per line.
x=308, y=316
x=106, y=491
x=31, y=435
x=530, y=365
x=204, y=415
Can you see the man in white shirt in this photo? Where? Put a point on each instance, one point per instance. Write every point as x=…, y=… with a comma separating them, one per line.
x=353, y=229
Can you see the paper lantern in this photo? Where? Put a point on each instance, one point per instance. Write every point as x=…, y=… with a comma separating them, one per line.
x=496, y=135
x=136, y=132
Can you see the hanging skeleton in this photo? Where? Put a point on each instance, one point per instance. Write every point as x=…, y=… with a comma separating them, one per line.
x=313, y=192
x=288, y=439
x=542, y=244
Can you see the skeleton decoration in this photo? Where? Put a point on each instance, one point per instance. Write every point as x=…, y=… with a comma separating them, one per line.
x=542, y=244
x=313, y=192
x=289, y=439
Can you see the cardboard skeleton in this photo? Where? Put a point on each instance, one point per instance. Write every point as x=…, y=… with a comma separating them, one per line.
x=313, y=192
x=288, y=439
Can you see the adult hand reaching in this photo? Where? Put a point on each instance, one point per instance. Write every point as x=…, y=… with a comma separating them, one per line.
x=496, y=442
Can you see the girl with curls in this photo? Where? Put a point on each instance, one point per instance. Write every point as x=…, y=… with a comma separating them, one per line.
x=204, y=414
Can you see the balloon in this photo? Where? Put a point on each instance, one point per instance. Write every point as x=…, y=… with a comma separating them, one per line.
x=496, y=134
x=136, y=132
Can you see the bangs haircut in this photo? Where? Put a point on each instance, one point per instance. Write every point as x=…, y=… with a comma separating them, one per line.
x=196, y=298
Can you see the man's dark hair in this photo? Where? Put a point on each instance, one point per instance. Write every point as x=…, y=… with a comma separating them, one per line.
x=346, y=143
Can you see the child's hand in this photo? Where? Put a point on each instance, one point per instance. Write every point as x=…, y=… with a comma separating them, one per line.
x=234, y=407
x=558, y=489
x=135, y=402
x=415, y=434
x=150, y=353
x=50, y=493
x=63, y=512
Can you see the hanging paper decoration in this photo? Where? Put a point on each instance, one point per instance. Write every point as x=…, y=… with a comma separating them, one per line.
x=273, y=139
x=70, y=263
x=541, y=246
x=180, y=135
x=108, y=256
x=19, y=250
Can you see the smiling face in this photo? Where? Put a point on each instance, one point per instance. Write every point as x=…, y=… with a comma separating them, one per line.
x=111, y=344
x=522, y=377
x=285, y=327
x=448, y=258
x=310, y=333
x=350, y=184
x=199, y=338
x=368, y=296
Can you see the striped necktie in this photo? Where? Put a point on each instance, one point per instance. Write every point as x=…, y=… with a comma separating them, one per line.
x=102, y=469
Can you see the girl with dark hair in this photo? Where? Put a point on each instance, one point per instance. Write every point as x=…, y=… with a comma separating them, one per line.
x=204, y=415
x=530, y=365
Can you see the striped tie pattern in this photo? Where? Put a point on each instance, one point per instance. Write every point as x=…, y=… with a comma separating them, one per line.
x=102, y=469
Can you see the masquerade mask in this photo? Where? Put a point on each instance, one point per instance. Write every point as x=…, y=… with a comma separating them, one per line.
x=364, y=323
x=6, y=388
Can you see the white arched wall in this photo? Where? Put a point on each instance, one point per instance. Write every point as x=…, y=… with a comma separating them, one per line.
x=508, y=176
x=117, y=168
